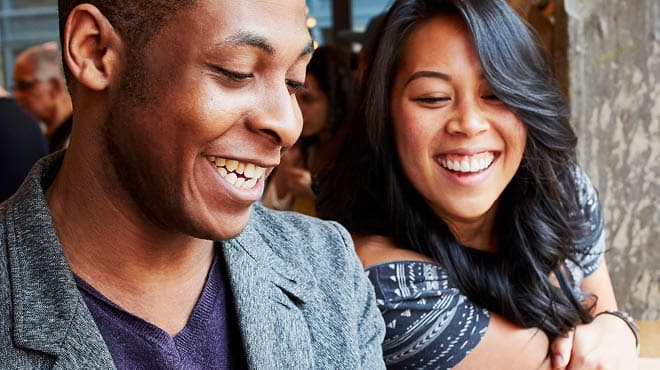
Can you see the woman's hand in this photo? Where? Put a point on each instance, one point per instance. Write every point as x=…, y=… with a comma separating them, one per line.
x=605, y=343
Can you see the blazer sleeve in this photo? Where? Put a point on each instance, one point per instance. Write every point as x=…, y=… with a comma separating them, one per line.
x=370, y=326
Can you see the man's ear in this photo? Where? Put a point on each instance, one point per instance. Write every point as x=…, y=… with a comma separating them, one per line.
x=92, y=48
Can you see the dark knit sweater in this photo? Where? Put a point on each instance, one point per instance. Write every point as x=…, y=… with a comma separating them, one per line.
x=208, y=341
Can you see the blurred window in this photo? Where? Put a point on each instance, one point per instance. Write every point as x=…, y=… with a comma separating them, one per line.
x=361, y=11
x=24, y=23
x=364, y=10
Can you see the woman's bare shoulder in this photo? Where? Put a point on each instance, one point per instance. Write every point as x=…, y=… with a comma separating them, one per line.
x=377, y=249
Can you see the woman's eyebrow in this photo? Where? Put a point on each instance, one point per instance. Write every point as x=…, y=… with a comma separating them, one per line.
x=428, y=74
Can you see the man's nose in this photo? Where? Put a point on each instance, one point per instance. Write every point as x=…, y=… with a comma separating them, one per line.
x=278, y=117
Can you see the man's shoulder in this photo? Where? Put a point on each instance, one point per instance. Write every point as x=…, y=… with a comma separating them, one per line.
x=294, y=233
x=297, y=226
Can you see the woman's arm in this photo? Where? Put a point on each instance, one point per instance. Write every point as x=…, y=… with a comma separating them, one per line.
x=600, y=285
x=507, y=346
x=504, y=345
x=605, y=343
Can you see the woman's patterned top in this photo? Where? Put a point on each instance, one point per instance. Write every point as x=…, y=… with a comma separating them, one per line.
x=432, y=325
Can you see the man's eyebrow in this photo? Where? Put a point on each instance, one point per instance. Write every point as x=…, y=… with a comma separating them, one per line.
x=244, y=38
x=428, y=74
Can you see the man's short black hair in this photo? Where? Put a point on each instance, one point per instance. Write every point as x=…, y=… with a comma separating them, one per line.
x=136, y=21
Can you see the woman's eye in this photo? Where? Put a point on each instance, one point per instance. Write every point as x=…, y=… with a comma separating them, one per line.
x=490, y=97
x=432, y=99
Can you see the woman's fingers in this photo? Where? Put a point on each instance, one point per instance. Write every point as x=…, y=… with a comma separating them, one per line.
x=560, y=350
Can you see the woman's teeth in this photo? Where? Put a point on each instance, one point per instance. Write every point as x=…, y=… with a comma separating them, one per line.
x=241, y=175
x=468, y=164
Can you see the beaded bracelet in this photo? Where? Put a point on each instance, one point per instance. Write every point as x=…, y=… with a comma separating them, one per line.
x=628, y=320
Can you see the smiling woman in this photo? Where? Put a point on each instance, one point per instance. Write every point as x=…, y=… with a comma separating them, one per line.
x=468, y=209
x=450, y=131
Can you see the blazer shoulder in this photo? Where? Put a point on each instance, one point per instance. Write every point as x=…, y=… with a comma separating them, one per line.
x=310, y=236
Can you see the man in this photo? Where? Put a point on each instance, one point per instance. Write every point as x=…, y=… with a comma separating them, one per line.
x=21, y=144
x=40, y=87
x=181, y=108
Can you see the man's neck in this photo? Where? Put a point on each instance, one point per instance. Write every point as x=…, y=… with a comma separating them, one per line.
x=155, y=274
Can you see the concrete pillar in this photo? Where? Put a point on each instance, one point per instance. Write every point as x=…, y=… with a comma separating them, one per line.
x=614, y=90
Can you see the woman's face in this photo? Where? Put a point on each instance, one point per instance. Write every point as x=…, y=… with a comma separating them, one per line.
x=314, y=107
x=458, y=144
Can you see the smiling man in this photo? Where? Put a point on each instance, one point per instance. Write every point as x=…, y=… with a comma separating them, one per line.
x=139, y=246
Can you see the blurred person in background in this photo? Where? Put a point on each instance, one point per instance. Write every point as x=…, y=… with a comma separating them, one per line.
x=324, y=103
x=21, y=144
x=40, y=87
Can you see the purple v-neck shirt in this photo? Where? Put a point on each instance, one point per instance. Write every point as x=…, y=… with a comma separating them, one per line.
x=210, y=339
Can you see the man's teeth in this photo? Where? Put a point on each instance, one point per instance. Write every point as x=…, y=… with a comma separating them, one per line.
x=240, y=174
x=475, y=163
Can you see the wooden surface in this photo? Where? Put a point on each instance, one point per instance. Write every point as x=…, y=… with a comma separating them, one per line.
x=649, y=333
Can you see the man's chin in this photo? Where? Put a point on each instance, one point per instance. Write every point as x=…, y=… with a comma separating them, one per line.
x=227, y=228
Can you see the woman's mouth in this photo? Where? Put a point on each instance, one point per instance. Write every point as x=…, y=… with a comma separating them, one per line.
x=473, y=163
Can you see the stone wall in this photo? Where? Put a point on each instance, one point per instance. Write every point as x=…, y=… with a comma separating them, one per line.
x=614, y=89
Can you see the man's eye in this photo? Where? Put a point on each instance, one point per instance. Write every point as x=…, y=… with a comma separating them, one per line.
x=233, y=75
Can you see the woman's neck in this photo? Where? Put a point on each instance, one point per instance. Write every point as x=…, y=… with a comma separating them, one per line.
x=478, y=233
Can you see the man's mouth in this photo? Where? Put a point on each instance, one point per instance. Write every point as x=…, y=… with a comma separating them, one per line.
x=467, y=163
x=242, y=175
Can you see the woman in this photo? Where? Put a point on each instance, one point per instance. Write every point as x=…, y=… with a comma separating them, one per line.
x=482, y=237
x=323, y=103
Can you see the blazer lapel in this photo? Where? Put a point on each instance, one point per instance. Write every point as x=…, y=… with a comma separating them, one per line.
x=269, y=295
x=48, y=311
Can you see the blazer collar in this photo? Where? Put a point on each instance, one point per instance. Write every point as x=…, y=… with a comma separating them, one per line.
x=284, y=273
x=47, y=306
x=270, y=294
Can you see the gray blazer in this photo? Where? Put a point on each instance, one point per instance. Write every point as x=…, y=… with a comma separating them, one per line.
x=302, y=299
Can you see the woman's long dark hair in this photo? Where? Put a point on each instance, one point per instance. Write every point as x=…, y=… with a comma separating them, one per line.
x=365, y=188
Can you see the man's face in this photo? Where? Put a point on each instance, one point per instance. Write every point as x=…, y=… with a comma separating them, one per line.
x=32, y=93
x=214, y=108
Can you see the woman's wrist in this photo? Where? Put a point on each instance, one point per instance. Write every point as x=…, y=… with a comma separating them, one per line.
x=623, y=316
